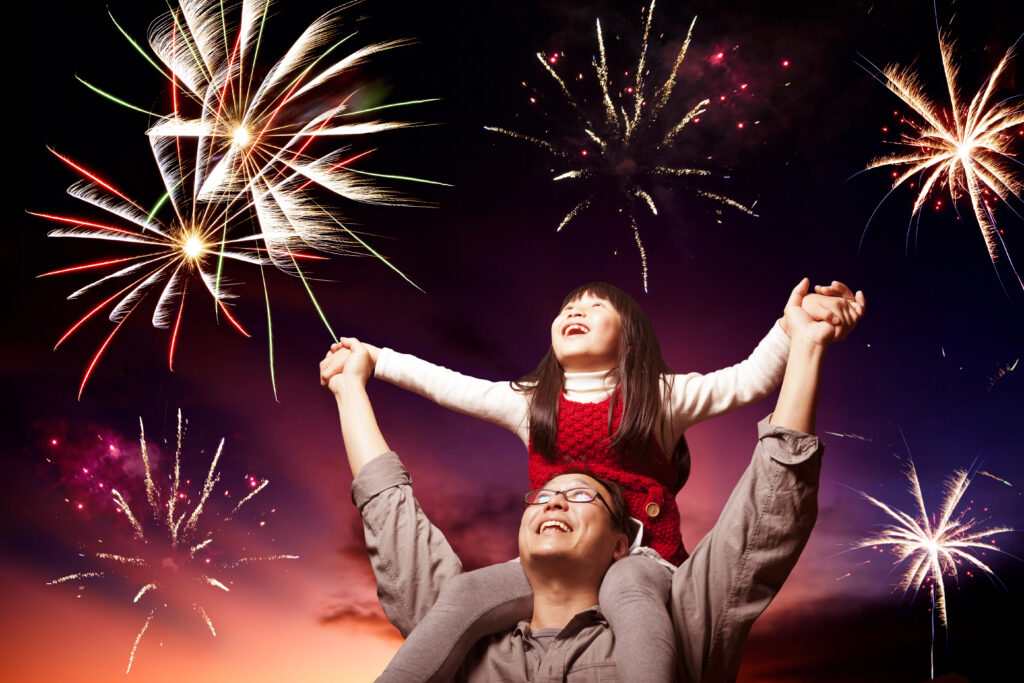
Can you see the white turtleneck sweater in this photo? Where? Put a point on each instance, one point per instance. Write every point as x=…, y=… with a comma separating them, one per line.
x=689, y=398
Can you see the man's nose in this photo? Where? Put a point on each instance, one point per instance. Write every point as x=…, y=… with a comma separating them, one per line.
x=557, y=502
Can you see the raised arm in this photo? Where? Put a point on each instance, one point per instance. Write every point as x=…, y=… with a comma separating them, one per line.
x=495, y=402
x=411, y=558
x=695, y=397
x=798, y=399
x=737, y=569
x=345, y=370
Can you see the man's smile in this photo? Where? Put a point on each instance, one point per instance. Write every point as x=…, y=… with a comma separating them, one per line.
x=554, y=526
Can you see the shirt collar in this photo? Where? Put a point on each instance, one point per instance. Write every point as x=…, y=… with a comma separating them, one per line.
x=588, y=617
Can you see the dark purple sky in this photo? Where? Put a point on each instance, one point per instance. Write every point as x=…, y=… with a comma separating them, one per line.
x=939, y=327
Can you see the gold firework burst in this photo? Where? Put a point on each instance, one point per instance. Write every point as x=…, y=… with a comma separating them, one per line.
x=169, y=540
x=965, y=147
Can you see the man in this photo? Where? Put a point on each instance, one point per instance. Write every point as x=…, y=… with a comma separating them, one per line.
x=568, y=539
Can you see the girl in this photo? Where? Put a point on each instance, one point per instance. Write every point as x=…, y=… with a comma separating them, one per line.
x=602, y=399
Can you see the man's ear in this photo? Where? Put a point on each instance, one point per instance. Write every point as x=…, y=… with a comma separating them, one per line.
x=621, y=547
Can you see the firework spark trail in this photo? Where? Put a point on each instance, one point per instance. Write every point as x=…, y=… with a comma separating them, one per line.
x=138, y=638
x=1001, y=374
x=630, y=144
x=992, y=476
x=851, y=436
x=211, y=480
x=932, y=546
x=173, y=534
x=966, y=147
x=174, y=252
x=73, y=577
x=143, y=591
x=249, y=497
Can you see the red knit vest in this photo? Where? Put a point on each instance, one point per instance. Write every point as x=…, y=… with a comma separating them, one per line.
x=648, y=483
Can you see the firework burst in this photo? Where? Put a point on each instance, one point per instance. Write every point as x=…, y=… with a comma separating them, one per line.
x=239, y=170
x=187, y=248
x=253, y=137
x=623, y=149
x=965, y=147
x=931, y=547
x=173, y=541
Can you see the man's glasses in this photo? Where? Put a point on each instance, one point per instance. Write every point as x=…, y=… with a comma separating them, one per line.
x=580, y=494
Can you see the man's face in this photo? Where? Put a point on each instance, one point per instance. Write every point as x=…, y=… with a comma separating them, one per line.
x=571, y=532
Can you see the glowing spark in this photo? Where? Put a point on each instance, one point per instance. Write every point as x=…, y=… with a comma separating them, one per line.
x=242, y=137
x=193, y=246
x=965, y=148
x=630, y=137
x=214, y=582
x=932, y=546
x=171, y=550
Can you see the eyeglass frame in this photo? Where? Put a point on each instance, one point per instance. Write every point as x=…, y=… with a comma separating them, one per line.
x=597, y=496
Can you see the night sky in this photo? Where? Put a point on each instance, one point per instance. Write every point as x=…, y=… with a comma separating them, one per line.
x=929, y=361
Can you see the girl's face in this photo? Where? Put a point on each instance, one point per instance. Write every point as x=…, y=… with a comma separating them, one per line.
x=585, y=335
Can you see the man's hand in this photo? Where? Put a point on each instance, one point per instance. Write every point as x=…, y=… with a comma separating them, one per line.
x=798, y=397
x=845, y=307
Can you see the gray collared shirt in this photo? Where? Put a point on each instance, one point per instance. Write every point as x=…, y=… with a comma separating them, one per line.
x=717, y=593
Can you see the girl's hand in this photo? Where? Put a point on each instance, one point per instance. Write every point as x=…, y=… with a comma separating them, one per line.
x=347, y=360
x=842, y=314
x=374, y=351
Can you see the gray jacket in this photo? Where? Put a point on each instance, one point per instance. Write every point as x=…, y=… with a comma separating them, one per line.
x=717, y=593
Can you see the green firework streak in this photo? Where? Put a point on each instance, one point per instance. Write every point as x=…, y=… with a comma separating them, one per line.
x=400, y=177
x=270, y=332
x=118, y=100
x=156, y=207
x=389, y=106
x=139, y=48
x=312, y=298
x=370, y=249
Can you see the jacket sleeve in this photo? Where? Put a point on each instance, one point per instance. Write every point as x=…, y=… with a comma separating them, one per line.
x=694, y=397
x=411, y=558
x=495, y=402
x=736, y=570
